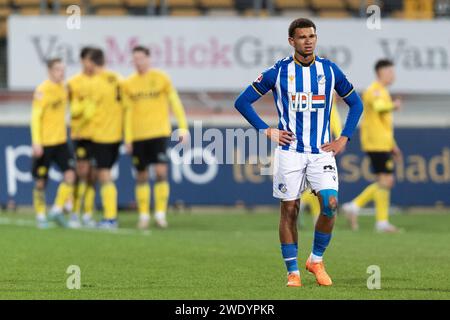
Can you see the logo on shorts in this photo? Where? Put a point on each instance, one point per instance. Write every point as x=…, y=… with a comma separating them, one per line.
x=329, y=168
x=81, y=152
x=42, y=171
x=282, y=188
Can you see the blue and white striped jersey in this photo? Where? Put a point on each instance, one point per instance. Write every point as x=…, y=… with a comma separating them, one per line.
x=304, y=97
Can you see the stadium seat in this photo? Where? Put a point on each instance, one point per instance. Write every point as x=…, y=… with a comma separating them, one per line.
x=296, y=13
x=111, y=11
x=327, y=4
x=181, y=3
x=21, y=3
x=105, y=3
x=334, y=14
x=356, y=4
x=192, y=12
x=29, y=11
x=252, y=13
x=216, y=3
x=66, y=3
x=3, y=28
x=4, y=12
x=291, y=4
x=139, y=3
x=222, y=12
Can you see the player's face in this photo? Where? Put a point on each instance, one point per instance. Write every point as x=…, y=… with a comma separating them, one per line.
x=304, y=41
x=387, y=75
x=87, y=65
x=57, y=72
x=141, y=61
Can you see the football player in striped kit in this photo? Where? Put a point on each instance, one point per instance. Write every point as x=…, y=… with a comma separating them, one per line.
x=302, y=87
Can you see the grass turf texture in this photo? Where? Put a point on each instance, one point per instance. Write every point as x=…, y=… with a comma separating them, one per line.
x=226, y=255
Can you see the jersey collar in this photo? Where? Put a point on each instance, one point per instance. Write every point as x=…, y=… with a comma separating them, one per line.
x=302, y=64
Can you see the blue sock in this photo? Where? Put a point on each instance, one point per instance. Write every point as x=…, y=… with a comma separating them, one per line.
x=321, y=241
x=289, y=252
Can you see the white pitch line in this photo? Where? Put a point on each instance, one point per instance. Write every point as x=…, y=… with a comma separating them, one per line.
x=30, y=223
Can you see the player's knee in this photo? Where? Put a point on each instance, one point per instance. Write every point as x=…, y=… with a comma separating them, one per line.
x=69, y=176
x=40, y=184
x=329, y=198
x=290, y=208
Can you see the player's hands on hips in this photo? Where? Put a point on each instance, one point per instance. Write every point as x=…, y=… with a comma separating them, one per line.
x=337, y=146
x=280, y=136
x=129, y=148
x=397, y=154
x=38, y=151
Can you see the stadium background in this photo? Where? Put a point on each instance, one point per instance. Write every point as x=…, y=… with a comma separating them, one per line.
x=212, y=49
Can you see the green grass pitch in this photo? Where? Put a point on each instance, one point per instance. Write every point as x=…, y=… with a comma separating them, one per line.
x=225, y=255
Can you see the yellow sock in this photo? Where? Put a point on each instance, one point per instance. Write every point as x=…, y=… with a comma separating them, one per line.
x=39, y=202
x=109, y=200
x=79, y=196
x=143, y=198
x=367, y=195
x=382, y=200
x=65, y=192
x=308, y=198
x=89, y=200
x=161, y=196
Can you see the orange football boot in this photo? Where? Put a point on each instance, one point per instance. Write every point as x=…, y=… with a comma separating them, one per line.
x=294, y=280
x=318, y=269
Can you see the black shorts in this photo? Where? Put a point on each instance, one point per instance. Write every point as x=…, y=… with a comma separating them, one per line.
x=83, y=149
x=382, y=162
x=149, y=151
x=105, y=154
x=60, y=154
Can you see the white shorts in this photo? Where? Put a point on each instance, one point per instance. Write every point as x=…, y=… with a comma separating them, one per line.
x=293, y=172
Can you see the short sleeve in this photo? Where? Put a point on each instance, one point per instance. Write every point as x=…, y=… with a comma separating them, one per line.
x=266, y=80
x=342, y=86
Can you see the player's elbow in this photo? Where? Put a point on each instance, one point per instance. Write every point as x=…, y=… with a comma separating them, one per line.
x=240, y=102
x=355, y=103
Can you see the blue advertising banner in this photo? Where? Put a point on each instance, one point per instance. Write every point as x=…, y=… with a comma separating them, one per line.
x=422, y=179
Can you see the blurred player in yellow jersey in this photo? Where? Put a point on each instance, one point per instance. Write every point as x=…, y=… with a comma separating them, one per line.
x=49, y=143
x=81, y=96
x=147, y=95
x=107, y=123
x=308, y=198
x=377, y=140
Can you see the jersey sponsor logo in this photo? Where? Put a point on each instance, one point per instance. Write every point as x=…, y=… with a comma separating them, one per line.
x=306, y=101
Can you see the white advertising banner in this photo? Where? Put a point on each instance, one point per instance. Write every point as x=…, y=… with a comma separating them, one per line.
x=226, y=54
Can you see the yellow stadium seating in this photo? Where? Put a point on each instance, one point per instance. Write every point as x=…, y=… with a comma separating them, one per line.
x=29, y=11
x=111, y=11
x=4, y=12
x=181, y=3
x=21, y=3
x=327, y=4
x=185, y=12
x=139, y=3
x=291, y=4
x=217, y=3
x=334, y=14
x=104, y=3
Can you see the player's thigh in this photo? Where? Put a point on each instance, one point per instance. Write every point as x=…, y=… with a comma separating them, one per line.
x=157, y=151
x=322, y=173
x=288, y=174
x=63, y=158
x=105, y=154
x=139, y=155
x=40, y=165
x=381, y=162
x=83, y=149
